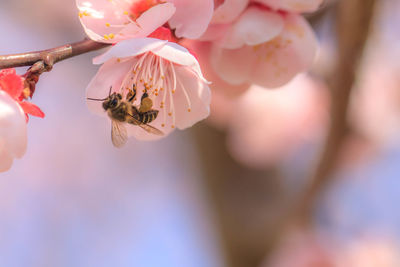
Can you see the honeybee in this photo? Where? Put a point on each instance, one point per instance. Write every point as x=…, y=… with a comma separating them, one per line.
x=124, y=111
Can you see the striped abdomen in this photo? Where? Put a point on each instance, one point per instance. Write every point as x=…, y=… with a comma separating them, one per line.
x=146, y=117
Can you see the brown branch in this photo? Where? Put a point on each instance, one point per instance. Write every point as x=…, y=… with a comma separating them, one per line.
x=353, y=22
x=352, y=25
x=50, y=56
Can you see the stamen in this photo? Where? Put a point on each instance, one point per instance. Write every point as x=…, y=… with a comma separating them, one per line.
x=186, y=95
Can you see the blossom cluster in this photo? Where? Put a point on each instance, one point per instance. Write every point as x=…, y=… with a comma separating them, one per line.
x=14, y=110
x=165, y=56
x=162, y=48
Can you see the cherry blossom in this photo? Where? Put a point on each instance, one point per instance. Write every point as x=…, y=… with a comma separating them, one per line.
x=111, y=21
x=266, y=126
x=13, y=137
x=13, y=84
x=167, y=71
x=294, y=6
x=258, y=44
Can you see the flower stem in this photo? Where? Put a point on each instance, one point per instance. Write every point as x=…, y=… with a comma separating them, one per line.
x=50, y=56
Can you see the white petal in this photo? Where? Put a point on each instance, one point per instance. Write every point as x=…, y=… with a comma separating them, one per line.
x=13, y=136
x=129, y=48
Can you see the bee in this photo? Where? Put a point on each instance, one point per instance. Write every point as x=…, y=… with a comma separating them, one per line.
x=123, y=111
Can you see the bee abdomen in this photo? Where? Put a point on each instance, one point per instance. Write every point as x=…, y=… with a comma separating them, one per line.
x=148, y=116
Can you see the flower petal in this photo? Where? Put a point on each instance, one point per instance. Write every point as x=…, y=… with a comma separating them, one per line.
x=192, y=17
x=109, y=22
x=31, y=109
x=179, y=55
x=11, y=83
x=254, y=26
x=129, y=48
x=295, y=6
x=12, y=126
x=271, y=64
x=199, y=95
x=228, y=11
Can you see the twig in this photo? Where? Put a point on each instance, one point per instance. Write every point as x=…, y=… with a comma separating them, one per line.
x=353, y=21
x=50, y=56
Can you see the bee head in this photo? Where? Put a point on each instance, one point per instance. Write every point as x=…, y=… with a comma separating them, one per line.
x=112, y=101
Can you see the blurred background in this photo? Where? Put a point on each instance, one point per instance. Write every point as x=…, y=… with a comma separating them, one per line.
x=218, y=194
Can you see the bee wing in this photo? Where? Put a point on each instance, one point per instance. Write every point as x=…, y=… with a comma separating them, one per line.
x=146, y=127
x=119, y=135
x=150, y=129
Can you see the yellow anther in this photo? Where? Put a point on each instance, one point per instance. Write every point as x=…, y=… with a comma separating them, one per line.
x=118, y=60
x=163, y=125
x=189, y=109
x=80, y=14
x=111, y=36
x=163, y=77
x=106, y=37
x=108, y=24
x=126, y=13
x=172, y=126
x=173, y=91
x=169, y=114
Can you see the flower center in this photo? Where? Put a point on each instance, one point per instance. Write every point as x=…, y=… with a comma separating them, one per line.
x=138, y=7
x=157, y=77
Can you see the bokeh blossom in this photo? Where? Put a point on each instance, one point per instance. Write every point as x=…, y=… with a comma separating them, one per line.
x=115, y=20
x=266, y=126
x=167, y=71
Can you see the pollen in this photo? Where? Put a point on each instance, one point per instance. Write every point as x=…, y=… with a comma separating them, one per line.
x=169, y=113
x=126, y=13
x=189, y=109
x=172, y=126
x=108, y=24
x=118, y=60
x=163, y=125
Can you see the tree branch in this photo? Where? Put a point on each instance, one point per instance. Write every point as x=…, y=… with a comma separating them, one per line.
x=50, y=56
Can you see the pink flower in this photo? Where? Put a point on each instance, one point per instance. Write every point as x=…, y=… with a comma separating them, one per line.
x=111, y=21
x=13, y=137
x=13, y=84
x=259, y=44
x=266, y=126
x=294, y=6
x=169, y=73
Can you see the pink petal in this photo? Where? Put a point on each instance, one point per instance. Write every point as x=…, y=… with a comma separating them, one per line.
x=291, y=53
x=32, y=109
x=129, y=48
x=228, y=11
x=179, y=55
x=192, y=17
x=233, y=66
x=11, y=83
x=109, y=75
x=6, y=158
x=203, y=53
x=271, y=64
x=199, y=95
x=100, y=13
x=296, y=6
x=214, y=32
x=254, y=26
x=13, y=136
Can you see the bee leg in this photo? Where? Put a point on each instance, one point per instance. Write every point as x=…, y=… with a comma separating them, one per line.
x=130, y=97
x=145, y=103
